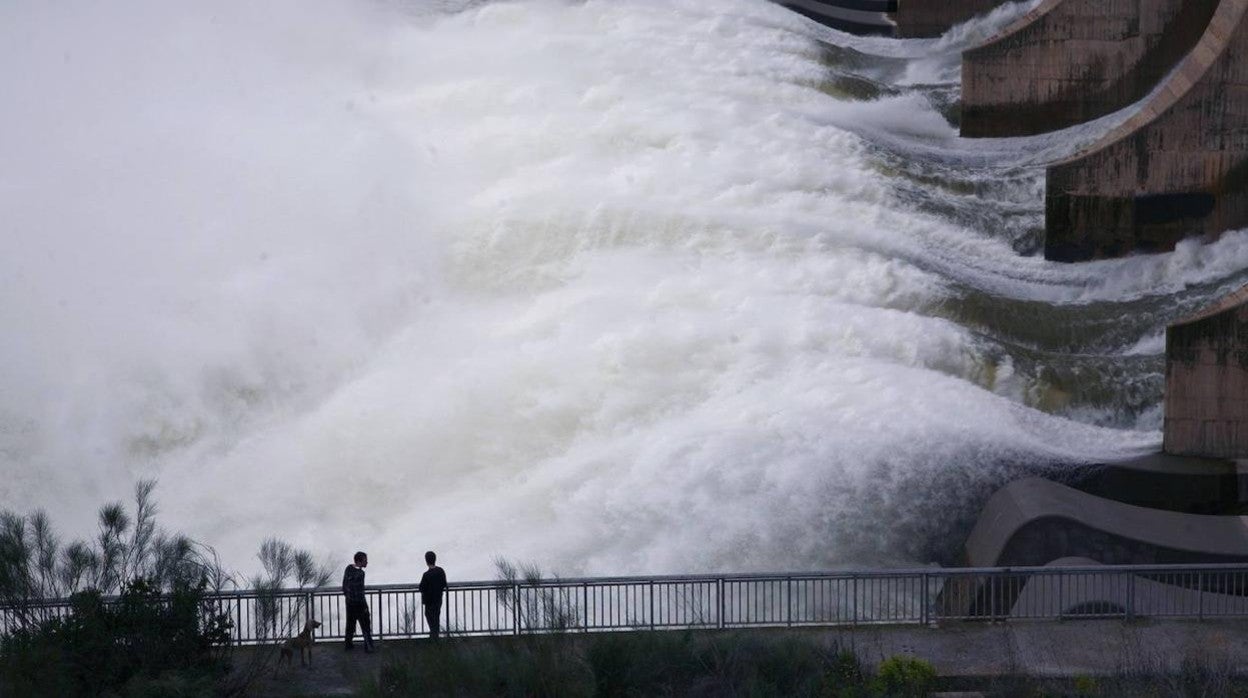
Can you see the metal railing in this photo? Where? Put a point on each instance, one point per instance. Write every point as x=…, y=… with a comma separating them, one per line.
x=819, y=599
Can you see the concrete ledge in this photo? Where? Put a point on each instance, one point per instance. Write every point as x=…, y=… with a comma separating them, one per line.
x=1185, y=484
x=1177, y=168
x=1070, y=61
x=917, y=19
x=1032, y=522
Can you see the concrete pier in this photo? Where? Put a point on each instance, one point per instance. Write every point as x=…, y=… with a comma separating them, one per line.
x=1177, y=168
x=1207, y=381
x=1070, y=61
x=1184, y=505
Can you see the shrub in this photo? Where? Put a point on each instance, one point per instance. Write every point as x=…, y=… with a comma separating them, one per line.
x=36, y=565
x=136, y=623
x=102, y=645
x=550, y=608
x=625, y=664
x=632, y=663
x=529, y=666
x=904, y=676
x=843, y=676
x=1085, y=686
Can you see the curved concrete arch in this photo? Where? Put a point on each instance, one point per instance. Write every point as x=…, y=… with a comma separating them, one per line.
x=906, y=19
x=863, y=17
x=1070, y=61
x=1176, y=168
x=1114, y=595
x=1032, y=522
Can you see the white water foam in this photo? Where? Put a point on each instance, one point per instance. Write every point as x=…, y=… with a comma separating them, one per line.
x=607, y=285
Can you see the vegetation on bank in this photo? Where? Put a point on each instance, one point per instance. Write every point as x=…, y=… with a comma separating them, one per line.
x=667, y=663
x=149, y=642
x=136, y=624
x=1195, y=678
x=754, y=664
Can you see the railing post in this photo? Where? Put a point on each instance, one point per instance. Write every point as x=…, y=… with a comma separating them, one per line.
x=1061, y=594
x=1130, y=596
x=923, y=596
x=1200, y=595
x=993, y=582
x=585, y=602
x=789, y=599
x=719, y=585
x=515, y=609
x=381, y=615
x=307, y=608
x=854, y=600
x=652, y=604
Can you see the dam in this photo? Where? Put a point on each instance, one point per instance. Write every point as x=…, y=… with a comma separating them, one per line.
x=620, y=287
x=1167, y=173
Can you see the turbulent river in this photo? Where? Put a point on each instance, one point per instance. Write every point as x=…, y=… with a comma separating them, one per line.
x=614, y=286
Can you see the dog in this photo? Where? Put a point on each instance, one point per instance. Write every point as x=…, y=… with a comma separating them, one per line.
x=301, y=642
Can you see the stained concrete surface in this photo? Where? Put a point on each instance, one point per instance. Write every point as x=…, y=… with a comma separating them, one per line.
x=1207, y=381
x=931, y=18
x=1177, y=168
x=1069, y=61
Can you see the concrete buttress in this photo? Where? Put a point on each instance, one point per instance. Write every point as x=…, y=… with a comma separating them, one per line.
x=1207, y=381
x=1069, y=61
x=1176, y=168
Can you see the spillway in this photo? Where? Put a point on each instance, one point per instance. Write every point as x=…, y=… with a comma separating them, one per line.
x=615, y=286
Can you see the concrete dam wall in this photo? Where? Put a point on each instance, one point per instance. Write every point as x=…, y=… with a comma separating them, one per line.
x=1177, y=168
x=1070, y=61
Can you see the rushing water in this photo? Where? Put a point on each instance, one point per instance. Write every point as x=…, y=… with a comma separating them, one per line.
x=618, y=286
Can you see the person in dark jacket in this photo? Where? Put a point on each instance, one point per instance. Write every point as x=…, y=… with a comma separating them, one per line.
x=357, y=605
x=432, y=584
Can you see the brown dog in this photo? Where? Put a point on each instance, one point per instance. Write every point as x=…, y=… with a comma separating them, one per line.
x=301, y=642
